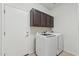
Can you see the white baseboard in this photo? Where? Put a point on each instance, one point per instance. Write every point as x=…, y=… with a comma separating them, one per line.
x=72, y=53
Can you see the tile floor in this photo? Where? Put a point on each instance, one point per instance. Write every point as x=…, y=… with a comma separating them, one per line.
x=62, y=54
x=65, y=54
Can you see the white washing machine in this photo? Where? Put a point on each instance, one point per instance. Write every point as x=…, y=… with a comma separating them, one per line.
x=49, y=45
x=46, y=44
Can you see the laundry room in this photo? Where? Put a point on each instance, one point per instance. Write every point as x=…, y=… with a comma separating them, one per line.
x=39, y=29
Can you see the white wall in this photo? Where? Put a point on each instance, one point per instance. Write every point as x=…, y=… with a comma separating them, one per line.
x=67, y=23
x=0, y=28
x=27, y=7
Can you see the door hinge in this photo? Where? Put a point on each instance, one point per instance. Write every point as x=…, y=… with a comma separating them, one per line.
x=4, y=11
x=4, y=33
x=4, y=54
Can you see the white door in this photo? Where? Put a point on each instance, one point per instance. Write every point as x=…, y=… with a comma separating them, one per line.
x=16, y=28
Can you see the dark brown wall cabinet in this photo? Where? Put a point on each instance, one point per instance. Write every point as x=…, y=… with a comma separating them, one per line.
x=37, y=18
x=40, y=19
x=43, y=20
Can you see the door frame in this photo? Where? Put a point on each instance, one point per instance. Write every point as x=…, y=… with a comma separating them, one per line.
x=3, y=29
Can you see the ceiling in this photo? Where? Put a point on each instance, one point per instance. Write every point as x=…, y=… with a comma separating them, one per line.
x=50, y=6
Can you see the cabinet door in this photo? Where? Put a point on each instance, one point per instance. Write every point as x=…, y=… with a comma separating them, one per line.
x=31, y=17
x=43, y=19
x=37, y=18
x=48, y=21
x=52, y=22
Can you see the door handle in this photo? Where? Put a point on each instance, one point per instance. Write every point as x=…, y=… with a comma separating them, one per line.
x=27, y=34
